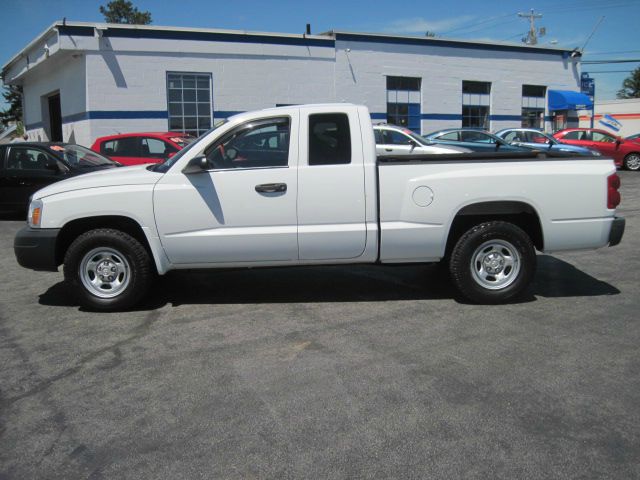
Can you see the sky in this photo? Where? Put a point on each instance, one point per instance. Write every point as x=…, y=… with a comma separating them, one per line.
x=568, y=24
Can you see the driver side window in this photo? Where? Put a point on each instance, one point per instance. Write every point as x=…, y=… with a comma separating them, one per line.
x=255, y=144
x=476, y=137
x=391, y=137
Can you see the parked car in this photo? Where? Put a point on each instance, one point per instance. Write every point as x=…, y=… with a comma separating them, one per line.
x=532, y=138
x=394, y=140
x=339, y=203
x=625, y=153
x=26, y=167
x=141, y=148
x=473, y=139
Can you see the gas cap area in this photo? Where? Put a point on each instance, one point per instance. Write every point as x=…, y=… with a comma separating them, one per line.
x=423, y=196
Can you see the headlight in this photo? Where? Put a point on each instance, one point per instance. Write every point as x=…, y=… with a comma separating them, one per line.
x=595, y=153
x=35, y=213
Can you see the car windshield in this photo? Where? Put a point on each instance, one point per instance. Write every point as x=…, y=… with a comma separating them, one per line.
x=183, y=140
x=165, y=166
x=78, y=156
x=416, y=137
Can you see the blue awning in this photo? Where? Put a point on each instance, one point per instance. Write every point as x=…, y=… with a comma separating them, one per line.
x=568, y=100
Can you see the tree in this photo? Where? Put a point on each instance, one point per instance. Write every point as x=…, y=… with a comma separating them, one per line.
x=123, y=11
x=13, y=96
x=630, y=86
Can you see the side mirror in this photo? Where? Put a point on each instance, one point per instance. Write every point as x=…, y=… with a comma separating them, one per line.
x=413, y=146
x=197, y=165
x=51, y=164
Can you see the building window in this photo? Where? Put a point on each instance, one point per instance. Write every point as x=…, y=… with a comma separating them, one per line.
x=476, y=101
x=403, y=102
x=533, y=97
x=189, y=101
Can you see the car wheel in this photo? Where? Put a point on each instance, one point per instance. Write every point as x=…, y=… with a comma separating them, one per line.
x=632, y=162
x=493, y=262
x=107, y=270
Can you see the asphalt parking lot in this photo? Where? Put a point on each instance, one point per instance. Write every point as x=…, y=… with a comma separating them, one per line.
x=351, y=372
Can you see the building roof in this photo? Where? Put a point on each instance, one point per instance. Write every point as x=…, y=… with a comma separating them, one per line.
x=324, y=39
x=445, y=42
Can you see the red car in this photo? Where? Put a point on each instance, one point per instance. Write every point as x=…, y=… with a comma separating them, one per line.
x=625, y=153
x=140, y=148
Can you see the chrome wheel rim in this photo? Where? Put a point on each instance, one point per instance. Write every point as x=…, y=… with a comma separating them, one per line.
x=495, y=264
x=105, y=272
x=633, y=162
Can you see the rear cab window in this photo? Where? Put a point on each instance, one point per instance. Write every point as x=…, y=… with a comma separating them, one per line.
x=329, y=139
x=121, y=147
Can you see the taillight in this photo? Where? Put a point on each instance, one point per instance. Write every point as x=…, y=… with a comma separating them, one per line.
x=613, y=195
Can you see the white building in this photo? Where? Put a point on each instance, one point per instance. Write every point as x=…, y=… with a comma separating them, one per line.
x=85, y=80
x=621, y=117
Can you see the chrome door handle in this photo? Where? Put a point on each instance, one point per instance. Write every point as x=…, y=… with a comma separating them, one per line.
x=271, y=188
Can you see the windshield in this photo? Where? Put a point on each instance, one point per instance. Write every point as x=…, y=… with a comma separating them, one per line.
x=82, y=157
x=416, y=137
x=191, y=142
x=183, y=140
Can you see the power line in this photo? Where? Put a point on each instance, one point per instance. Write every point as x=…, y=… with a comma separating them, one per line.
x=609, y=71
x=599, y=62
x=612, y=53
x=472, y=25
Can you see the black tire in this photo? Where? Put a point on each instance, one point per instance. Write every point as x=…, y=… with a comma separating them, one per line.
x=108, y=249
x=632, y=161
x=493, y=262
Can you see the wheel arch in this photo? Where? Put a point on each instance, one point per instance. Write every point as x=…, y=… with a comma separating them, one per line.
x=76, y=227
x=517, y=212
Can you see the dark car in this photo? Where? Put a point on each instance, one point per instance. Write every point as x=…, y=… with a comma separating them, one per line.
x=473, y=139
x=27, y=167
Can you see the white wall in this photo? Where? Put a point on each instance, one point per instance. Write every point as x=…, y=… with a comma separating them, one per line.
x=361, y=77
x=627, y=112
x=65, y=74
x=245, y=77
x=125, y=78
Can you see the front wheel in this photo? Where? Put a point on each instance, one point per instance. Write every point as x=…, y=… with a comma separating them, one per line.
x=493, y=262
x=107, y=270
x=632, y=162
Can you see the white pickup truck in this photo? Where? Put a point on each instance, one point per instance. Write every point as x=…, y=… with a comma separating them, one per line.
x=302, y=185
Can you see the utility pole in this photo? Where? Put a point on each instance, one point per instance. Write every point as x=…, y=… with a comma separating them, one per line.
x=532, y=36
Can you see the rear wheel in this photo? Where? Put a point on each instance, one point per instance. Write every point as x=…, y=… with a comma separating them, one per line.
x=632, y=162
x=107, y=270
x=493, y=262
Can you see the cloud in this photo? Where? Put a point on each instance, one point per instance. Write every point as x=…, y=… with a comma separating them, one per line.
x=420, y=25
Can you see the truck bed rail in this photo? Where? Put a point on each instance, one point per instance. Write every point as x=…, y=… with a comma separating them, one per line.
x=536, y=155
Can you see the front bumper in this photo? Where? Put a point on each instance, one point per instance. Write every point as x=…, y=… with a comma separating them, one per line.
x=616, y=232
x=36, y=248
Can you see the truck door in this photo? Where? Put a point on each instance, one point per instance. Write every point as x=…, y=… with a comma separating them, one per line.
x=241, y=210
x=331, y=186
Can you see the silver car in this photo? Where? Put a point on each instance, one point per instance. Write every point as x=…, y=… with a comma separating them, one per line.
x=394, y=140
